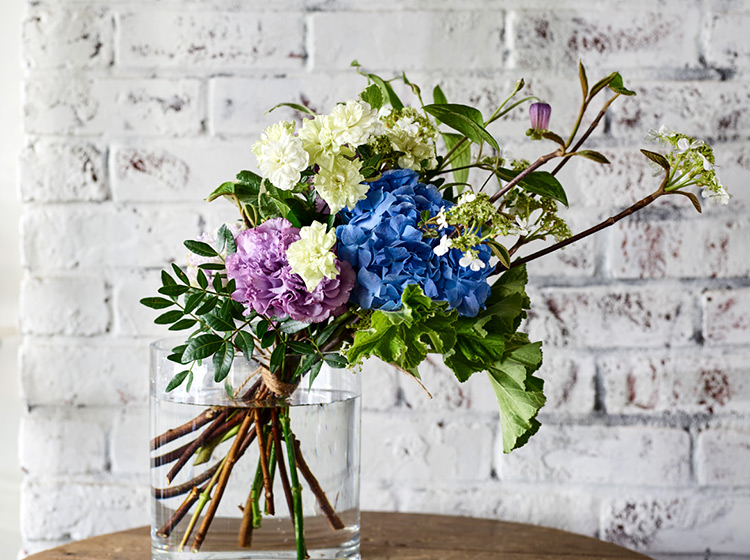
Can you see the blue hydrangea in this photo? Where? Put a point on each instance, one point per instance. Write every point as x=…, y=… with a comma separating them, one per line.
x=382, y=240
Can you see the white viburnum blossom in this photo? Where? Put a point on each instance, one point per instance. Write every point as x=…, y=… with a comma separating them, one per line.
x=342, y=185
x=311, y=256
x=685, y=145
x=281, y=157
x=319, y=140
x=467, y=197
x=442, y=219
x=443, y=247
x=414, y=135
x=354, y=123
x=717, y=194
x=471, y=260
x=660, y=136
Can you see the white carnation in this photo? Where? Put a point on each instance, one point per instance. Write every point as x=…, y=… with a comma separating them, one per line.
x=355, y=123
x=281, y=157
x=318, y=140
x=342, y=185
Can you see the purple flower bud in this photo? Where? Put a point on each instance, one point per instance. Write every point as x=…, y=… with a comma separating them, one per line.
x=539, y=114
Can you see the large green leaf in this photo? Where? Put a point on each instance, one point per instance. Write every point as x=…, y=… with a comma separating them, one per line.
x=223, y=361
x=466, y=120
x=538, y=182
x=519, y=394
x=202, y=347
x=404, y=337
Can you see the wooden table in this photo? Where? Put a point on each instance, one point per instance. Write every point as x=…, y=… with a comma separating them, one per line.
x=400, y=536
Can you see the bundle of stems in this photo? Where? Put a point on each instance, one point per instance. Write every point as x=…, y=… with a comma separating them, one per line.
x=261, y=418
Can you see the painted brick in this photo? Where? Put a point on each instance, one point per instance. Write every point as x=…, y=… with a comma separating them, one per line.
x=700, y=247
x=599, y=454
x=129, y=442
x=679, y=523
x=725, y=316
x=61, y=509
x=376, y=40
x=211, y=39
x=179, y=170
x=697, y=108
x=723, y=456
x=72, y=372
x=62, y=171
x=380, y=385
x=62, y=305
x=238, y=105
x=110, y=236
x=130, y=317
x=404, y=446
x=660, y=383
x=552, y=506
x=609, y=317
x=615, y=38
x=65, y=104
x=727, y=47
x=58, y=441
x=58, y=37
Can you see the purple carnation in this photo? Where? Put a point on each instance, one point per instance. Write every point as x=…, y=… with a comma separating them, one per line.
x=265, y=283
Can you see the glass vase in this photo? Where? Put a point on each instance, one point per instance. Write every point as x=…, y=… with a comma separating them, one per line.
x=219, y=492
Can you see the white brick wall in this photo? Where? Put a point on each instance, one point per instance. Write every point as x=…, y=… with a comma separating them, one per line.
x=135, y=110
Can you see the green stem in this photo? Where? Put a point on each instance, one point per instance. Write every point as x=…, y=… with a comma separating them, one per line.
x=299, y=530
x=255, y=495
x=271, y=468
x=203, y=499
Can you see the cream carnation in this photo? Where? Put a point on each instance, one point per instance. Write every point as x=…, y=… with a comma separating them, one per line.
x=319, y=141
x=281, y=157
x=355, y=123
x=342, y=185
x=311, y=256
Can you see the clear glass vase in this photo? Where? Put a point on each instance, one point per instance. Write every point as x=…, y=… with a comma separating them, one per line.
x=204, y=444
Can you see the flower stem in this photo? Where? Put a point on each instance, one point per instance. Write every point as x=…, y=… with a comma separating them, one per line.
x=299, y=529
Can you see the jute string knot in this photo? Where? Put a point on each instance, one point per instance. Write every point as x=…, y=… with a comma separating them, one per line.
x=277, y=386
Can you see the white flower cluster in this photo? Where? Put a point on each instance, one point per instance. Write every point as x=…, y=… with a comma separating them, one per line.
x=312, y=257
x=470, y=258
x=692, y=163
x=412, y=134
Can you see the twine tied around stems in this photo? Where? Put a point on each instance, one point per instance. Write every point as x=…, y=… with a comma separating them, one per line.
x=277, y=386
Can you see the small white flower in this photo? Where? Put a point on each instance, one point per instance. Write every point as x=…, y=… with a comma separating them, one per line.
x=467, y=197
x=522, y=226
x=472, y=260
x=685, y=145
x=443, y=247
x=280, y=155
x=660, y=136
x=707, y=165
x=442, y=219
x=354, y=123
x=717, y=194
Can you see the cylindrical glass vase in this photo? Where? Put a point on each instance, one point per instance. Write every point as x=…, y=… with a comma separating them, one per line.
x=210, y=487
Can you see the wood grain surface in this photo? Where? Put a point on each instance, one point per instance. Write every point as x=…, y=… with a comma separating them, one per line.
x=400, y=536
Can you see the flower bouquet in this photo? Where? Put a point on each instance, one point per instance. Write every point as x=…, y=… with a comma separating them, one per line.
x=361, y=237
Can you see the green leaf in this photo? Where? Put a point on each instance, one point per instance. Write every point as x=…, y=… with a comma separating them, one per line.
x=177, y=380
x=189, y=381
x=438, y=96
x=373, y=96
x=225, y=189
x=335, y=360
x=249, y=179
x=290, y=326
x=519, y=394
x=538, y=182
x=222, y=361
x=157, y=302
x=169, y=317
x=583, y=79
x=201, y=248
x=301, y=347
x=402, y=337
x=466, y=120
x=180, y=274
x=267, y=340
x=549, y=135
x=691, y=197
x=617, y=86
x=657, y=158
x=166, y=279
x=173, y=290
x=202, y=347
x=593, y=156
x=261, y=328
x=314, y=371
x=192, y=301
x=183, y=324
x=277, y=357
x=202, y=280
x=601, y=84
x=246, y=343
x=387, y=91
x=500, y=251
x=460, y=158
x=207, y=306
x=219, y=321
x=295, y=106
x=227, y=240
x=211, y=266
